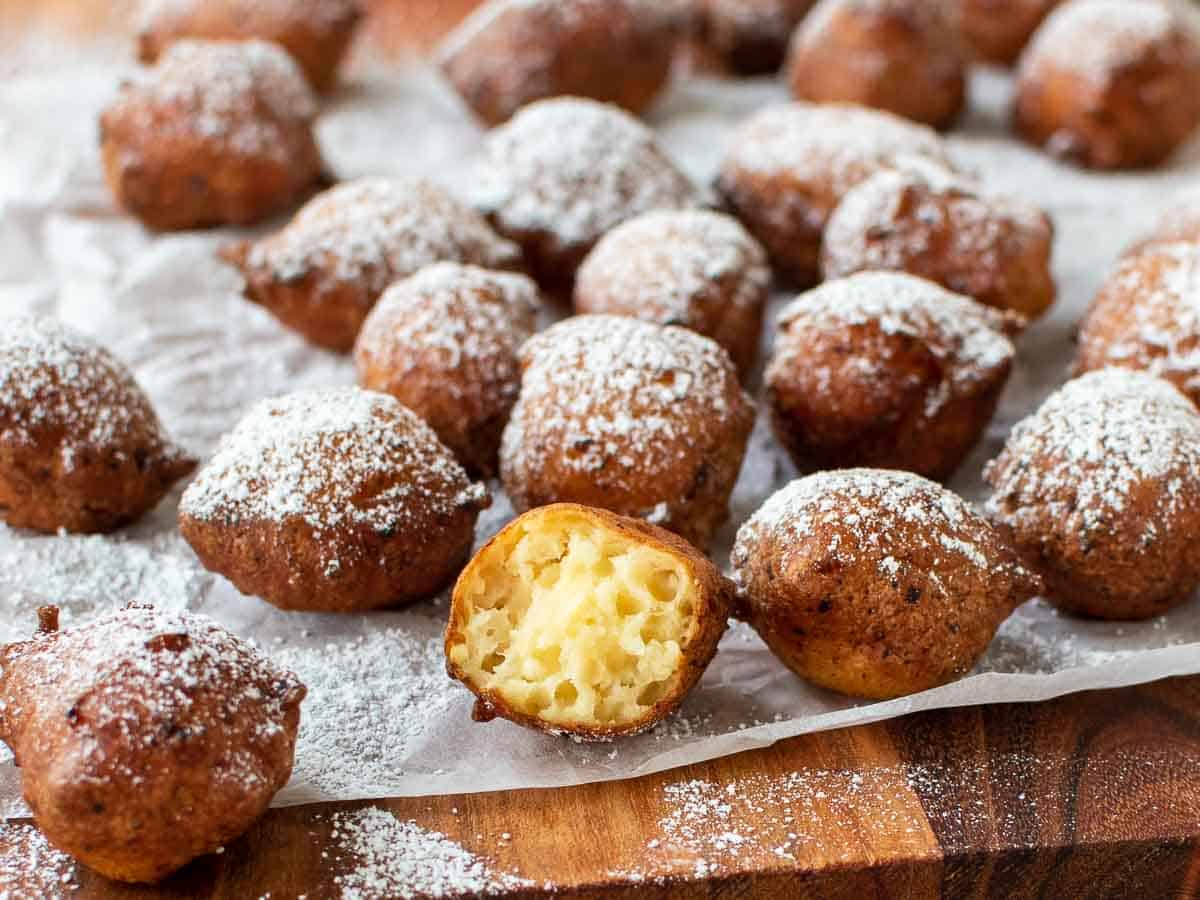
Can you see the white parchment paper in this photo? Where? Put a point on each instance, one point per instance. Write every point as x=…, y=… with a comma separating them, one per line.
x=381, y=718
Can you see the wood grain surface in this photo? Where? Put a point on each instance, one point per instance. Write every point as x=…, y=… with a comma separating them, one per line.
x=1093, y=795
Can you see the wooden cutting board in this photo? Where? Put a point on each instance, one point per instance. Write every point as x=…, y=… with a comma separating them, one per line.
x=1093, y=795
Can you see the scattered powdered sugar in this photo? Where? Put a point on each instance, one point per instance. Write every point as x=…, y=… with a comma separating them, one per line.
x=966, y=337
x=574, y=169
x=31, y=867
x=888, y=220
x=1091, y=444
x=473, y=319
x=389, y=858
x=373, y=231
x=669, y=262
x=248, y=96
x=834, y=146
x=139, y=673
x=862, y=509
x=1097, y=39
x=372, y=699
x=753, y=23
x=55, y=381
x=614, y=389
x=315, y=14
x=1148, y=316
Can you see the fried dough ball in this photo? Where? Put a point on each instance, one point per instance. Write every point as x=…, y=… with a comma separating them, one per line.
x=81, y=448
x=216, y=133
x=316, y=33
x=640, y=419
x=510, y=53
x=996, y=31
x=884, y=369
x=1147, y=316
x=694, y=268
x=902, y=56
x=323, y=272
x=335, y=500
x=789, y=166
x=1110, y=84
x=146, y=738
x=577, y=621
x=751, y=35
x=875, y=583
x=1100, y=491
x=445, y=343
x=564, y=172
x=993, y=248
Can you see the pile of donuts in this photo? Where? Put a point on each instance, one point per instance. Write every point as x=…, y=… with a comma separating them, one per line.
x=147, y=737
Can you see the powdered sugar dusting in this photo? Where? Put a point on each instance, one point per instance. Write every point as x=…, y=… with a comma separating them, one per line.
x=373, y=231
x=828, y=143
x=314, y=455
x=244, y=95
x=373, y=699
x=886, y=221
x=868, y=504
x=1091, y=444
x=389, y=858
x=618, y=390
x=1096, y=39
x=142, y=672
x=56, y=381
x=574, y=169
x=466, y=315
x=31, y=867
x=965, y=336
x=1148, y=316
x=669, y=262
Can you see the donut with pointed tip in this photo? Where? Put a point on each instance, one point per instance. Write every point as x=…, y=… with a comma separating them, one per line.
x=146, y=738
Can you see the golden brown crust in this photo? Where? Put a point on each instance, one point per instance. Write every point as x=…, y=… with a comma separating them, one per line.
x=714, y=594
x=146, y=738
x=217, y=133
x=445, y=343
x=339, y=500
x=902, y=56
x=322, y=273
x=694, y=268
x=316, y=33
x=995, y=249
x=81, y=448
x=886, y=370
x=1145, y=317
x=509, y=54
x=874, y=583
x=996, y=31
x=644, y=420
x=1109, y=84
x=789, y=166
x=1099, y=490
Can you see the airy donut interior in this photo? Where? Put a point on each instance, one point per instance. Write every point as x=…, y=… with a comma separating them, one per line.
x=574, y=622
